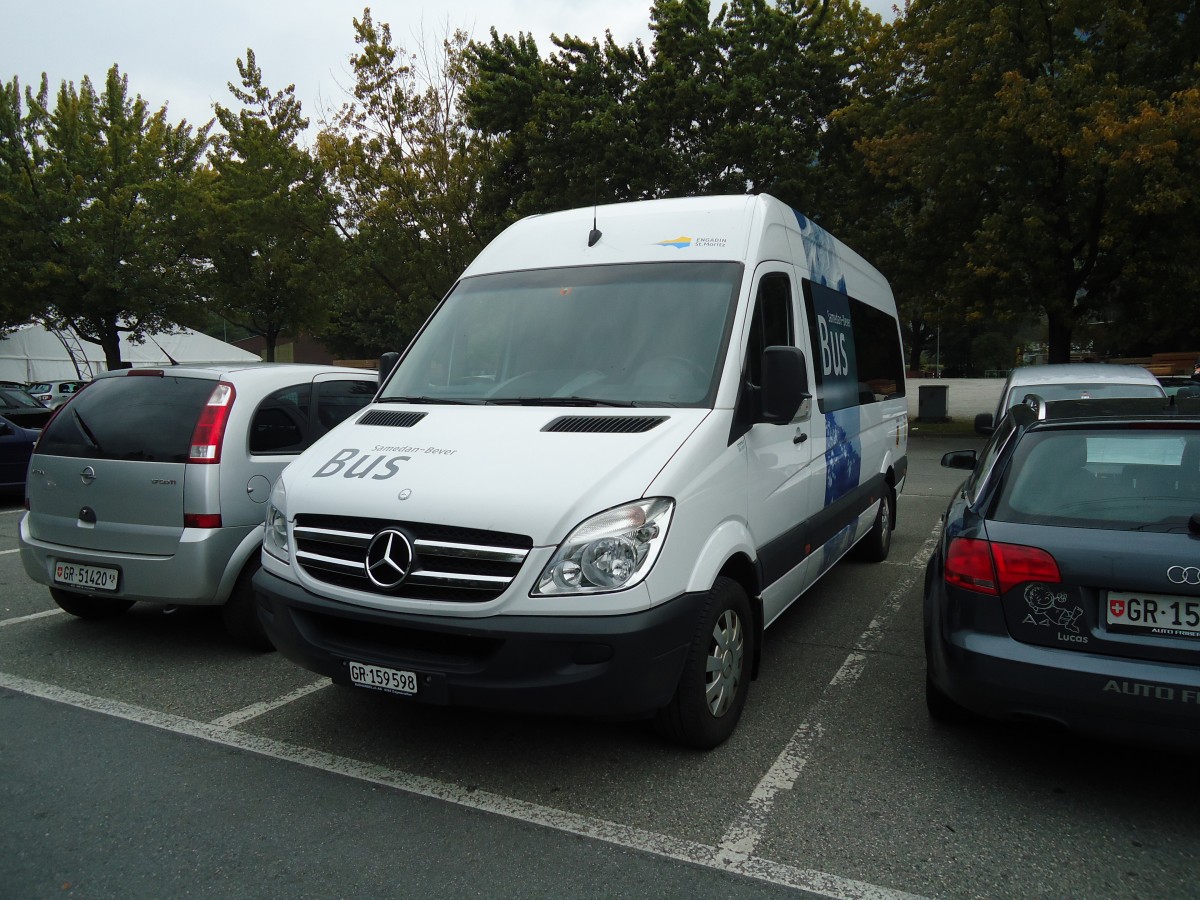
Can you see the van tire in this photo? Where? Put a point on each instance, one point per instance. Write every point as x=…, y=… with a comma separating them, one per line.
x=877, y=543
x=240, y=612
x=89, y=606
x=707, y=705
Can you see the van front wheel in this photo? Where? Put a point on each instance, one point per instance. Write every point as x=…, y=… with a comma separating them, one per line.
x=89, y=606
x=716, y=677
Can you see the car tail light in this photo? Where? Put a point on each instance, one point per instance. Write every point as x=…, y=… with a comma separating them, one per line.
x=996, y=568
x=210, y=427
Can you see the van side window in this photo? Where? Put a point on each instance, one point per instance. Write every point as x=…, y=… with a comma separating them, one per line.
x=338, y=400
x=280, y=424
x=771, y=325
x=856, y=349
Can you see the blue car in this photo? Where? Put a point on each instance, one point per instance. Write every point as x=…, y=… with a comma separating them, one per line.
x=1066, y=583
x=16, y=446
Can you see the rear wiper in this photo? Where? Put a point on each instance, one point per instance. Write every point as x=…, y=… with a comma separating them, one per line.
x=87, y=432
x=447, y=401
x=561, y=401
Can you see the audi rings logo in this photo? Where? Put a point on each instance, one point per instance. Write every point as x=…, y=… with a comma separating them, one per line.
x=389, y=557
x=1182, y=575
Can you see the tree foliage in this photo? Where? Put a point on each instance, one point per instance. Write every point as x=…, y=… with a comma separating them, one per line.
x=1052, y=146
x=733, y=104
x=1001, y=161
x=96, y=208
x=409, y=172
x=267, y=230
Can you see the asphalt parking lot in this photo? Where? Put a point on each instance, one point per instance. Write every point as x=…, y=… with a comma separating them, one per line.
x=149, y=757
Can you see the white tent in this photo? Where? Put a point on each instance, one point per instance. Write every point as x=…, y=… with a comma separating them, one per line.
x=33, y=353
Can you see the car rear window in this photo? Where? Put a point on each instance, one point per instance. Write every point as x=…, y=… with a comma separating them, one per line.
x=1136, y=478
x=13, y=399
x=147, y=418
x=1083, y=391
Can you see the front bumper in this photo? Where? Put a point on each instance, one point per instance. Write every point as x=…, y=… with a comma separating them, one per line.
x=623, y=666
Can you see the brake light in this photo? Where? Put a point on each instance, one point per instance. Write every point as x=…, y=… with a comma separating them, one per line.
x=210, y=427
x=995, y=568
x=1016, y=564
x=969, y=565
x=201, y=520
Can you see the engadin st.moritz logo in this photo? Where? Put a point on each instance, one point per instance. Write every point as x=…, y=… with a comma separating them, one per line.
x=683, y=242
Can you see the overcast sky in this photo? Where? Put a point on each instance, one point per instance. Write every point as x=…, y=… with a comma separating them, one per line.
x=183, y=54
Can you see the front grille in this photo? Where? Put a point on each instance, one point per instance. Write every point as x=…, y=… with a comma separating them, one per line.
x=448, y=563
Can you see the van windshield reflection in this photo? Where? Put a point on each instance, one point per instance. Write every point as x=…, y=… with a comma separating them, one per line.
x=622, y=335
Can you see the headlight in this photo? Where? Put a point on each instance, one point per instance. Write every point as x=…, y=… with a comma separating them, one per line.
x=275, y=541
x=610, y=551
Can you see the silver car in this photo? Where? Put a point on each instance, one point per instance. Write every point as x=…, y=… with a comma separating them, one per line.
x=1070, y=381
x=151, y=484
x=54, y=393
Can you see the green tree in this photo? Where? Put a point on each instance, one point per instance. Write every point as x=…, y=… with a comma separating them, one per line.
x=268, y=230
x=737, y=103
x=1052, y=146
x=415, y=208
x=96, y=210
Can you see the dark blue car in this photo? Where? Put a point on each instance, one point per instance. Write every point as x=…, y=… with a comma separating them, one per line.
x=1066, y=584
x=16, y=446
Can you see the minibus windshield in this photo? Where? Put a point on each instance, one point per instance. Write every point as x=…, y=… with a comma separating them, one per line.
x=645, y=334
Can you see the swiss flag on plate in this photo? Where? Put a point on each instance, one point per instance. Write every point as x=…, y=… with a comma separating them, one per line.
x=1116, y=607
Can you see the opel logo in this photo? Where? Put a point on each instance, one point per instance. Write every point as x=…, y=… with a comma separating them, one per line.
x=1181, y=575
x=88, y=475
x=389, y=557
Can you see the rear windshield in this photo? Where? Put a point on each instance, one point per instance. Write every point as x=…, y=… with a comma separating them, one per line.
x=1081, y=391
x=146, y=418
x=1138, y=478
x=13, y=398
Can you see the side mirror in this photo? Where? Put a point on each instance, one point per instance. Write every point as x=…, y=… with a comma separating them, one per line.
x=984, y=424
x=784, y=384
x=960, y=459
x=387, y=362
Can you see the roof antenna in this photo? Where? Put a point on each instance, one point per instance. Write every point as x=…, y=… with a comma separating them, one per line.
x=594, y=235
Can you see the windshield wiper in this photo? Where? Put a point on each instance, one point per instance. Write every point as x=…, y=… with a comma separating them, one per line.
x=87, y=432
x=561, y=401
x=446, y=401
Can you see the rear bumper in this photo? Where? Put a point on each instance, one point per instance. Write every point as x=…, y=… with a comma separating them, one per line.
x=193, y=575
x=621, y=666
x=973, y=660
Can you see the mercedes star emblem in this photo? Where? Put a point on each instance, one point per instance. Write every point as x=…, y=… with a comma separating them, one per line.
x=389, y=557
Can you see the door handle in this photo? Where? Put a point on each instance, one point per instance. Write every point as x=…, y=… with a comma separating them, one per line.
x=800, y=438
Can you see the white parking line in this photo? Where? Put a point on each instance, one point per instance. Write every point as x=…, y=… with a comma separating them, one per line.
x=29, y=618
x=254, y=710
x=743, y=836
x=821, y=883
x=6, y=552
x=12, y=512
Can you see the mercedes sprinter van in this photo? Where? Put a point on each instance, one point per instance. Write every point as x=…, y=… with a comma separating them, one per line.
x=623, y=444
